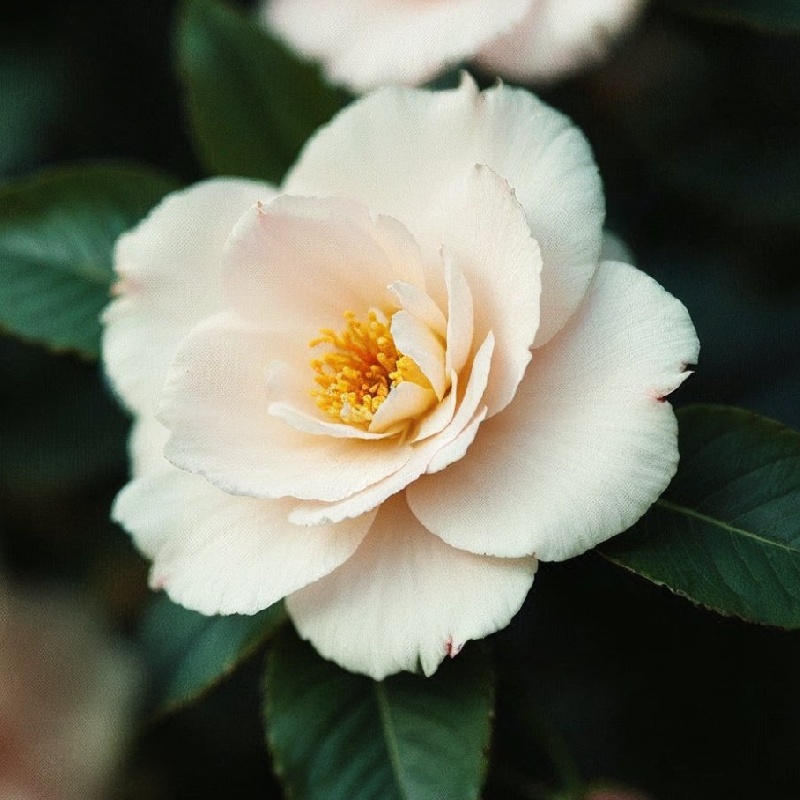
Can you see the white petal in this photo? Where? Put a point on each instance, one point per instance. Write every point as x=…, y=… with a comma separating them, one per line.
x=216, y=406
x=405, y=599
x=460, y=316
x=490, y=242
x=299, y=263
x=306, y=423
x=364, y=44
x=417, y=341
x=441, y=416
x=419, y=304
x=559, y=37
x=146, y=447
x=457, y=449
x=222, y=554
x=405, y=402
x=423, y=452
x=587, y=444
x=168, y=268
x=399, y=151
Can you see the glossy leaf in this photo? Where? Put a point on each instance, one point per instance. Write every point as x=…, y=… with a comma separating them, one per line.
x=190, y=653
x=339, y=736
x=251, y=103
x=777, y=15
x=726, y=534
x=57, y=234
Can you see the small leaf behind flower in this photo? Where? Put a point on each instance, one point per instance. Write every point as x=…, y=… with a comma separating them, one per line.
x=726, y=533
x=57, y=234
x=339, y=736
x=191, y=653
x=251, y=103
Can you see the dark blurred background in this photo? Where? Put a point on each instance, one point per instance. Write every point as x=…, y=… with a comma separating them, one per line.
x=695, y=127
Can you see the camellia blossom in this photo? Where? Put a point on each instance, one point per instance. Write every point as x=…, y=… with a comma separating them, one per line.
x=385, y=389
x=368, y=43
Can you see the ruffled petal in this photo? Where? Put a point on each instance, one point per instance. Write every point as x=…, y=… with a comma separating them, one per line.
x=299, y=263
x=441, y=416
x=419, y=304
x=588, y=443
x=490, y=243
x=460, y=316
x=417, y=341
x=401, y=152
x=364, y=44
x=558, y=38
x=423, y=452
x=221, y=554
x=404, y=403
x=405, y=599
x=146, y=447
x=168, y=268
x=307, y=423
x=216, y=404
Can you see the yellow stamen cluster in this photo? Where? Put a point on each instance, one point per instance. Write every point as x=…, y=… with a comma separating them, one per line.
x=361, y=368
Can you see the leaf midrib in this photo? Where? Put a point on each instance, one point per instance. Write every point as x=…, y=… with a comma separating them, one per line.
x=390, y=738
x=725, y=526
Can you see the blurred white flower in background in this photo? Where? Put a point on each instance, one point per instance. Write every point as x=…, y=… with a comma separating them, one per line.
x=68, y=698
x=363, y=44
x=388, y=388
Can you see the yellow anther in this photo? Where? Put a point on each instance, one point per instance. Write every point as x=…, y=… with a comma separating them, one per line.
x=361, y=368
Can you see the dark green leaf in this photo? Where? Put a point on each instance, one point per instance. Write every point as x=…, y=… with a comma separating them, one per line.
x=752, y=186
x=190, y=652
x=38, y=87
x=57, y=234
x=775, y=15
x=339, y=736
x=726, y=534
x=54, y=441
x=251, y=104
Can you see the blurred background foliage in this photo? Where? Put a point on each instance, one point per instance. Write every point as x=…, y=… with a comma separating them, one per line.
x=695, y=126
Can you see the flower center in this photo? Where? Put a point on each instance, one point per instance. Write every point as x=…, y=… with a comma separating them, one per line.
x=355, y=377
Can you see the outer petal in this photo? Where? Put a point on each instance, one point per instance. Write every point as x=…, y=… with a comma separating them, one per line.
x=299, y=263
x=146, y=447
x=216, y=406
x=168, y=268
x=364, y=44
x=405, y=600
x=558, y=37
x=587, y=444
x=401, y=152
x=222, y=554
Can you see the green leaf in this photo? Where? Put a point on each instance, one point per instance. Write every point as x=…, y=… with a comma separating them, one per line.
x=726, y=533
x=761, y=189
x=251, y=104
x=191, y=653
x=38, y=92
x=339, y=736
x=773, y=15
x=57, y=234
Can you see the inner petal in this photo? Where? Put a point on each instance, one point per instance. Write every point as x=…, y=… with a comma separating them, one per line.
x=361, y=369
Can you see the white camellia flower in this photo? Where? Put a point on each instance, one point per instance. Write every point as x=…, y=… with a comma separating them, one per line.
x=368, y=43
x=387, y=388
